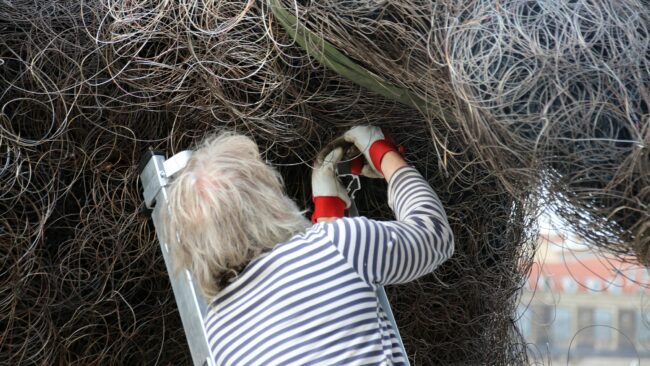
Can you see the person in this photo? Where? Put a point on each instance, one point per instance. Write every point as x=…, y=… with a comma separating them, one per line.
x=282, y=291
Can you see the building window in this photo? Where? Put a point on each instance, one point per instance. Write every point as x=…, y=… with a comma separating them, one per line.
x=585, y=337
x=541, y=318
x=569, y=285
x=545, y=283
x=643, y=327
x=627, y=325
x=524, y=322
x=593, y=284
x=645, y=275
x=561, y=332
x=603, y=332
x=615, y=287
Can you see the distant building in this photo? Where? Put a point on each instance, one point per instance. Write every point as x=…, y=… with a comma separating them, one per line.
x=593, y=309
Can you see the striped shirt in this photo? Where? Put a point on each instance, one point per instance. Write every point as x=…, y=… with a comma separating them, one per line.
x=312, y=301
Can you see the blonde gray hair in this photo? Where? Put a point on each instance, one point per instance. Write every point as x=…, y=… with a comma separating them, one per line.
x=226, y=208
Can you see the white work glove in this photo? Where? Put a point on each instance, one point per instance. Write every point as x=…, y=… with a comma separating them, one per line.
x=372, y=142
x=328, y=194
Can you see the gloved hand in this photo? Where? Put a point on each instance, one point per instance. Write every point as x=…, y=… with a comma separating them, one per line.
x=328, y=194
x=372, y=142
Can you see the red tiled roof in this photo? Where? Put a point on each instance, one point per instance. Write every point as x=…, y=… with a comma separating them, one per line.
x=588, y=274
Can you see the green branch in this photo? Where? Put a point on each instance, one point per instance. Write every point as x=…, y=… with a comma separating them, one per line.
x=328, y=55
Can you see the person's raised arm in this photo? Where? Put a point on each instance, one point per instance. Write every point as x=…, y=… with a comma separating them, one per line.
x=390, y=163
x=418, y=241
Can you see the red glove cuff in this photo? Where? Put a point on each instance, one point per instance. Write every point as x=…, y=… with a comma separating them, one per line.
x=327, y=206
x=377, y=151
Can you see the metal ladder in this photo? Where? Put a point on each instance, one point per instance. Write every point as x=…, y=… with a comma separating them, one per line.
x=155, y=174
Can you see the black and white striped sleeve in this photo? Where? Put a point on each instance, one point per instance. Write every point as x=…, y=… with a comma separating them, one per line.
x=387, y=252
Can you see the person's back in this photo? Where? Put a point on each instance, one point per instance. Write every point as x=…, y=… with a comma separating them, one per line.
x=309, y=300
x=301, y=304
x=312, y=299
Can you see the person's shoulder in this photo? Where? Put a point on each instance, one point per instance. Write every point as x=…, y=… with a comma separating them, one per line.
x=338, y=222
x=346, y=224
x=309, y=235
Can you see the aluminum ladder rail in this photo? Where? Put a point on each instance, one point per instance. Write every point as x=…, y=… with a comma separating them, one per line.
x=155, y=174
